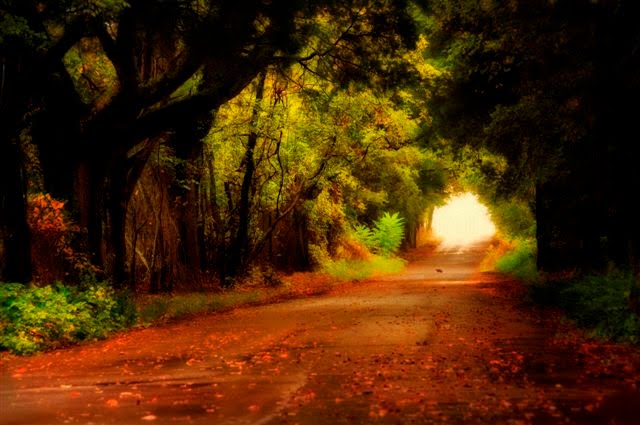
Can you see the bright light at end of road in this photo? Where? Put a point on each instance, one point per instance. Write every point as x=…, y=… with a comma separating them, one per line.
x=462, y=221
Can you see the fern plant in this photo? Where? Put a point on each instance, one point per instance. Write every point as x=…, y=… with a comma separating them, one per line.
x=364, y=235
x=388, y=233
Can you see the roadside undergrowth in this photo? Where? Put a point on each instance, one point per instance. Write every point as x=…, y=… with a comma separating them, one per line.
x=356, y=270
x=39, y=318
x=605, y=305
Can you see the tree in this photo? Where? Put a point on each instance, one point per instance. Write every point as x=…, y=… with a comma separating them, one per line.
x=543, y=84
x=95, y=143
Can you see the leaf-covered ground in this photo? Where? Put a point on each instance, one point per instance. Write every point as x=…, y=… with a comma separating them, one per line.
x=439, y=343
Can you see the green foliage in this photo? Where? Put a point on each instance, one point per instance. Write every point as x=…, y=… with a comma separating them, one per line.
x=331, y=156
x=521, y=261
x=14, y=28
x=514, y=219
x=159, y=308
x=364, y=235
x=37, y=318
x=388, y=233
x=605, y=304
x=355, y=270
x=386, y=236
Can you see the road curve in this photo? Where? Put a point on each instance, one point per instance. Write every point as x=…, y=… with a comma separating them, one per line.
x=438, y=343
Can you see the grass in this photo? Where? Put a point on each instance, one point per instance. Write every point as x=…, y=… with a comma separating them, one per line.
x=355, y=270
x=520, y=261
x=159, y=308
x=152, y=309
x=607, y=305
x=34, y=319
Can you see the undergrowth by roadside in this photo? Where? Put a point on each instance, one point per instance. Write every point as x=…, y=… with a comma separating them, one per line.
x=34, y=319
x=354, y=270
x=606, y=305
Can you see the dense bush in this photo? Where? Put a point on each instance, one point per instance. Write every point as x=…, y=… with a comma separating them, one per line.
x=54, y=242
x=605, y=304
x=520, y=261
x=386, y=236
x=36, y=318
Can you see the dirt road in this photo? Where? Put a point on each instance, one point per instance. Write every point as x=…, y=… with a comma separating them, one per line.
x=439, y=343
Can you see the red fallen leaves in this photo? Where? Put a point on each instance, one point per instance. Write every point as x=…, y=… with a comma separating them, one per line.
x=309, y=283
x=511, y=362
x=19, y=372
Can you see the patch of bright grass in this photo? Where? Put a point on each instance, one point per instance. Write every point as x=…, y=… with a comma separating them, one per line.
x=354, y=270
x=519, y=262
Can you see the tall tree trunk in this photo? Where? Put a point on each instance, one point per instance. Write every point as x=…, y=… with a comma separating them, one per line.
x=240, y=246
x=544, y=259
x=110, y=184
x=15, y=249
x=188, y=145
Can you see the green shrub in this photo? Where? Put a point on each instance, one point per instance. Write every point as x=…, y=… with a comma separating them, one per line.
x=36, y=318
x=603, y=304
x=388, y=233
x=606, y=305
x=521, y=261
x=514, y=219
x=364, y=235
x=353, y=270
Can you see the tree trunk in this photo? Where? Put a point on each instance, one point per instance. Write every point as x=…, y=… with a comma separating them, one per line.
x=188, y=145
x=15, y=247
x=240, y=246
x=544, y=259
x=15, y=250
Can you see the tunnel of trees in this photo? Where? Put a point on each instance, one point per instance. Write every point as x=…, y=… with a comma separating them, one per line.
x=157, y=143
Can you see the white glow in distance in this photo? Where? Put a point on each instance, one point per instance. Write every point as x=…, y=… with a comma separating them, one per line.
x=462, y=221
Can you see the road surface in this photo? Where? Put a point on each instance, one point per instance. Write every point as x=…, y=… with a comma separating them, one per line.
x=439, y=343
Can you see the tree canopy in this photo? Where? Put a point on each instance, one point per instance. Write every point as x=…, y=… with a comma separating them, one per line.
x=208, y=136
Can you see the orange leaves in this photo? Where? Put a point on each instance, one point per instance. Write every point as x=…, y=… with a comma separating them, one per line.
x=509, y=363
x=307, y=284
x=112, y=403
x=51, y=247
x=46, y=214
x=149, y=418
x=19, y=373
